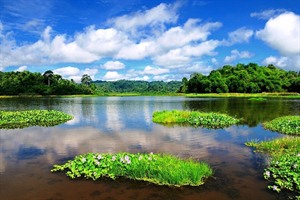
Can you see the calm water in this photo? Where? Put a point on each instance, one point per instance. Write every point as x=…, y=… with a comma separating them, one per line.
x=114, y=124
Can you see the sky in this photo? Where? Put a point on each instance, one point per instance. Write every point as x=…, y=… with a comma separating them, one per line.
x=146, y=40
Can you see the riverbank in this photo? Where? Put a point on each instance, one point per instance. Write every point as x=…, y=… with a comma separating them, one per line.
x=190, y=95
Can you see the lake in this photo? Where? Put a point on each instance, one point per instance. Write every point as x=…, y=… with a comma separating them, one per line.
x=124, y=124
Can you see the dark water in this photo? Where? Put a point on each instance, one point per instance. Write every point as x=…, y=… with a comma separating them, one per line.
x=114, y=124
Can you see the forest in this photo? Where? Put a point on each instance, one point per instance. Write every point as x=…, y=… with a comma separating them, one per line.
x=241, y=78
x=34, y=83
x=249, y=78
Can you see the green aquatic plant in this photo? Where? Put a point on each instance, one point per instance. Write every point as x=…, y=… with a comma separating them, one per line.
x=160, y=169
x=257, y=99
x=26, y=118
x=283, y=171
x=195, y=118
x=286, y=125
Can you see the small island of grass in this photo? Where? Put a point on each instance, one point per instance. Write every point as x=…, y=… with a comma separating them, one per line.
x=26, y=118
x=286, y=125
x=257, y=99
x=155, y=168
x=283, y=171
x=194, y=118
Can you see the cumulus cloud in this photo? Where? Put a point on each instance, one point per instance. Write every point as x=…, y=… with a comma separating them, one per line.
x=191, y=31
x=181, y=56
x=113, y=76
x=284, y=62
x=75, y=73
x=235, y=54
x=198, y=67
x=159, y=39
x=154, y=71
x=21, y=68
x=239, y=36
x=157, y=16
x=267, y=14
x=113, y=65
x=282, y=33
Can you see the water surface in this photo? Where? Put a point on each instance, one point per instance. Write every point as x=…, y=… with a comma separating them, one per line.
x=114, y=124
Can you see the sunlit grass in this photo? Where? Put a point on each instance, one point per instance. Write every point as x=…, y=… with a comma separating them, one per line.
x=26, y=118
x=160, y=169
x=246, y=95
x=194, y=118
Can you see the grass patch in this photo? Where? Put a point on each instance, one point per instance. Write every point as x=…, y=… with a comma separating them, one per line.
x=246, y=95
x=194, y=118
x=155, y=168
x=286, y=125
x=22, y=119
x=283, y=171
x=257, y=99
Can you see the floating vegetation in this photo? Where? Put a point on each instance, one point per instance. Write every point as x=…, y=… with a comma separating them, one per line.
x=257, y=99
x=160, y=169
x=284, y=169
x=22, y=119
x=287, y=125
x=195, y=118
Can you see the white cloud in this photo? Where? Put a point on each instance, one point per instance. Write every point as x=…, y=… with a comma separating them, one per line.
x=190, y=32
x=284, y=62
x=21, y=68
x=67, y=71
x=101, y=42
x=172, y=59
x=267, y=14
x=235, y=54
x=154, y=71
x=113, y=76
x=239, y=36
x=282, y=33
x=199, y=67
x=157, y=38
x=137, y=51
x=113, y=65
x=182, y=56
x=75, y=73
x=157, y=16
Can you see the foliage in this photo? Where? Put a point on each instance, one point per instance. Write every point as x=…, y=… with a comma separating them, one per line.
x=22, y=119
x=156, y=168
x=142, y=87
x=24, y=83
x=241, y=78
x=284, y=169
x=195, y=118
x=287, y=125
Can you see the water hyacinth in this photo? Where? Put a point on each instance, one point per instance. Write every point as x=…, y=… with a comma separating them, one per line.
x=156, y=168
x=26, y=118
x=194, y=118
x=286, y=125
x=283, y=171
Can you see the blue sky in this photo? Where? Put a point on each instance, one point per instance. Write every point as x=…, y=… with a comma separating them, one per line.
x=146, y=40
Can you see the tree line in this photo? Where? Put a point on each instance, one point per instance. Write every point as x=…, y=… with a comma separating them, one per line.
x=249, y=78
x=48, y=83
x=142, y=87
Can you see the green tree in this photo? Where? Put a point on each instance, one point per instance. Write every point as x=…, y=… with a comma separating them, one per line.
x=86, y=79
x=48, y=74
